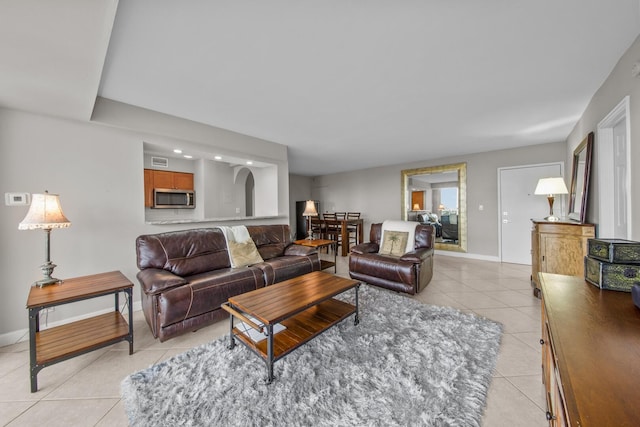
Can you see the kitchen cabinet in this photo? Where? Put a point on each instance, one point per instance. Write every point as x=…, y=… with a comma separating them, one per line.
x=148, y=188
x=558, y=247
x=165, y=179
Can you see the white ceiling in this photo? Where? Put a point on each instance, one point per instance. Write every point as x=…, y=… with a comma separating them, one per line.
x=344, y=84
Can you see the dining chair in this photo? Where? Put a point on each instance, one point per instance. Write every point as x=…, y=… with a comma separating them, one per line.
x=332, y=228
x=352, y=230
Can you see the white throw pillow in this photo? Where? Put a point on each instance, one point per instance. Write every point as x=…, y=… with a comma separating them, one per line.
x=394, y=243
x=408, y=226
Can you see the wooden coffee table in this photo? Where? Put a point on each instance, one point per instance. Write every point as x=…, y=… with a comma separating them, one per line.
x=304, y=305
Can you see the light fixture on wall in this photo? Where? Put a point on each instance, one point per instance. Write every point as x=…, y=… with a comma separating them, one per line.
x=309, y=211
x=550, y=187
x=46, y=214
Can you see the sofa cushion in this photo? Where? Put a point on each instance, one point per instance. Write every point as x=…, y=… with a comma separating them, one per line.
x=286, y=267
x=206, y=292
x=184, y=253
x=384, y=267
x=271, y=240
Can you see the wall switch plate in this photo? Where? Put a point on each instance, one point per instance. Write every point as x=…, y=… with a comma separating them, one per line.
x=16, y=199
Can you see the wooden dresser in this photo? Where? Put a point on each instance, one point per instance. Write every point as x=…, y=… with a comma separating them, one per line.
x=558, y=247
x=590, y=354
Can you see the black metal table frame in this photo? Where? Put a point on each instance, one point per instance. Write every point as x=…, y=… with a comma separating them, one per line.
x=34, y=327
x=268, y=331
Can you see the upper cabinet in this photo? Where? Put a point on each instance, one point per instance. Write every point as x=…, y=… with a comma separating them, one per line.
x=165, y=179
x=172, y=180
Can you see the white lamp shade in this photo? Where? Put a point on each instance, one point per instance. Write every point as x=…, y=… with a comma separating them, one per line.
x=310, y=209
x=44, y=213
x=551, y=186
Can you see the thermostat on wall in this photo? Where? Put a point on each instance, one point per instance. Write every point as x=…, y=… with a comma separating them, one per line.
x=16, y=199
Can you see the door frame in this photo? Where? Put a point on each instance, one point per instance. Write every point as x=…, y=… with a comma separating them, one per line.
x=500, y=169
x=604, y=169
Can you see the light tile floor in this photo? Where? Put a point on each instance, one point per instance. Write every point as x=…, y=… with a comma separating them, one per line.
x=85, y=391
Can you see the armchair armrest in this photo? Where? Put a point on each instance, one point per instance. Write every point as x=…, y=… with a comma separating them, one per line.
x=365, y=248
x=155, y=280
x=300, y=250
x=417, y=256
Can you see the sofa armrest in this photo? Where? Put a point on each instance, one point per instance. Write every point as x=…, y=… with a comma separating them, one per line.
x=365, y=248
x=155, y=280
x=417, y=256
x=300, y=250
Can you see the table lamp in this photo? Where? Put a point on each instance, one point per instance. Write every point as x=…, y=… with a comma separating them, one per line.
x=416, y=207
x=551, y=186
x=309, y=211
x=45, y=213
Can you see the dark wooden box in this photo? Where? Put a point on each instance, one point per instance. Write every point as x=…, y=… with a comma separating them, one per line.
x=615, y=250
x=606, y=275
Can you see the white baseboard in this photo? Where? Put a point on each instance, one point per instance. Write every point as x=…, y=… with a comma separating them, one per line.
x=468, y=255
x=23, y=334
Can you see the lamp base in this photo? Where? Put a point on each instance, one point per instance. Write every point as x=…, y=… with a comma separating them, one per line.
x=47, y=269
x=47, y=282
x=552, y=218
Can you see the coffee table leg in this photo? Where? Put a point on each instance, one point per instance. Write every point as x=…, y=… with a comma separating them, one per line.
x=356, y=319
x=269, y=354
x=232, y=341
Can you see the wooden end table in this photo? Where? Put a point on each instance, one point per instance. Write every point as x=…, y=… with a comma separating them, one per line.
x=322, y=243
x=63, y=342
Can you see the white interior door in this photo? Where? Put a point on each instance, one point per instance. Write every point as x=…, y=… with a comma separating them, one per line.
x=518, y=205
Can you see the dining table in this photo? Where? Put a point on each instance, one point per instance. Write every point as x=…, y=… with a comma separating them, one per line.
x=342, y=225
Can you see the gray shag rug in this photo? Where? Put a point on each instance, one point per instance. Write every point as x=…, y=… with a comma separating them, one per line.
x=405, y=364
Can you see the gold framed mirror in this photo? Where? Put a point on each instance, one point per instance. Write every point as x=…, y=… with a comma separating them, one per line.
x=438, y=195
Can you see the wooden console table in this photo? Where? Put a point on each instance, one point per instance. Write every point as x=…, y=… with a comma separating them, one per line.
x=558, y=247
x=63, y=342
x=590, y=347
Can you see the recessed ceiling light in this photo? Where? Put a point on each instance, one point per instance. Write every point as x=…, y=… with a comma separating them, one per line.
x=177, y=151
x=218, y=157
x=186, y=156
x=249, y=162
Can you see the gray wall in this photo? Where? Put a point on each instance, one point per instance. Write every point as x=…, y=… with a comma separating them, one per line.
x=619, y=84
x=98, y=171
x=376, y=192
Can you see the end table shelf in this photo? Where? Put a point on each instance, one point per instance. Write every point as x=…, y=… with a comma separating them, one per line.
x=63, y=342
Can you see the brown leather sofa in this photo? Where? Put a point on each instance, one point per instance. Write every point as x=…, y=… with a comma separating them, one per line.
x=409, y=273
x=186, y=275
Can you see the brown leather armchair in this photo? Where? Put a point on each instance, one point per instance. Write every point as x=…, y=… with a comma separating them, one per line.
x=409, y=273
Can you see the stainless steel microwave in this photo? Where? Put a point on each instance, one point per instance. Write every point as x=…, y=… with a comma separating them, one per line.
x=166, y=198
